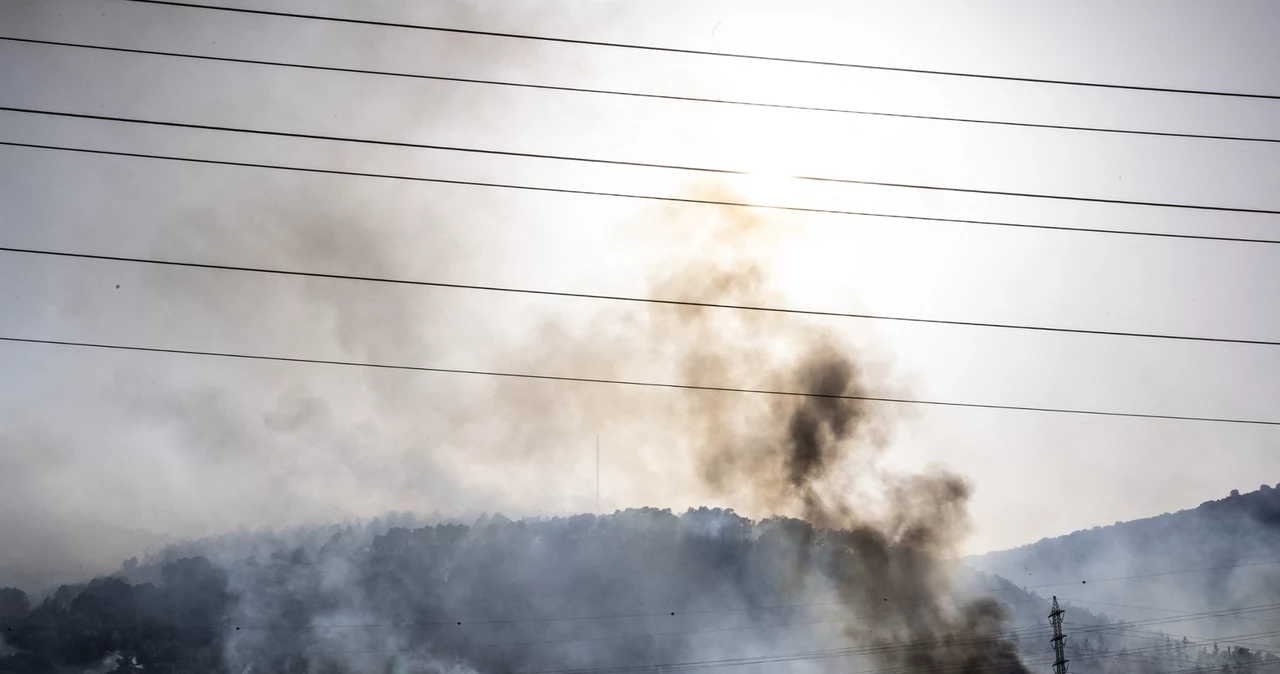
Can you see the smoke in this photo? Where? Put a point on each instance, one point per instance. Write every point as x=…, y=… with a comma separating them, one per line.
x=190, y=447
x=873, y=540
x=814, y=454
x=204, y=446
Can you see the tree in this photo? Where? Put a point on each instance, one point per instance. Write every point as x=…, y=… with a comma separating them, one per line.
x=14, y=605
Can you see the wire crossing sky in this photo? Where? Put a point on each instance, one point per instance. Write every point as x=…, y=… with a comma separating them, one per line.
x=635, y=188
x=693, y=52
x=612, y=92
x=647, y=384
x=621, y=162
x=622, y=195
x=615, y=298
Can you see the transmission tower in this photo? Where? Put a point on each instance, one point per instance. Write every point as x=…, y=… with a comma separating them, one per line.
x=1059, y=639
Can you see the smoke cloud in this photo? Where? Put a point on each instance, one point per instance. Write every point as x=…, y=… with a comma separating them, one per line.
x=814, y=456
x=870, y=542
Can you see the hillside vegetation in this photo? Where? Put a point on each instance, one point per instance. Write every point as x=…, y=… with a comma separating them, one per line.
x=1236, y=540
x=636, y=589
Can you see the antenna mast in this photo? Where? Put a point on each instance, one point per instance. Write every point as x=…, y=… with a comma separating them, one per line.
x=1059, y=639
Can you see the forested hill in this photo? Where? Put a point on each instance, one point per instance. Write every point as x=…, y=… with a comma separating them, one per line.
x=1234, y=539
x=636, y=589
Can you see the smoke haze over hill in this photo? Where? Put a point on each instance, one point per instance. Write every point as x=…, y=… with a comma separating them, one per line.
x=874, y=536
x=1235, y=540
x=258, y=289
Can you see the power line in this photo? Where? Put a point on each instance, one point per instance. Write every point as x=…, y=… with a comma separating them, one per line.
x=1204, y=615
x=1231, y=612
x=780, y=657
x=838, y=652
x=699, y=52
x=1173, y=649
x=1016, y=633
x=745, y=628
x=1152, y=635
x=1116, y=628
x=1009, y=632
x=849, y=651
x=1154, y=608
x=1169, y=653
x=623, y=195
x=1196, y=667
x=634, y=383
x=977, y=637
x=1162, y=573
x=615, y=616
x=638, y=668
x=934, y=668
x=624, y=298
x=633, y=164
x=644, y=95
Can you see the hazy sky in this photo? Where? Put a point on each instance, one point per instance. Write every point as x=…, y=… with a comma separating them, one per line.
x=185, y=445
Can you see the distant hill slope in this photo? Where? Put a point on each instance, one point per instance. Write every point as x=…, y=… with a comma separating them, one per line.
x=1232, y=538
x=639, y=590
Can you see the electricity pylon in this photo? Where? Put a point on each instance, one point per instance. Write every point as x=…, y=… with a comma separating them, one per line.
x=1059, y=639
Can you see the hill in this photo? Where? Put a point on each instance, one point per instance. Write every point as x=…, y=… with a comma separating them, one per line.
x=1234, y=540
x=632, y=590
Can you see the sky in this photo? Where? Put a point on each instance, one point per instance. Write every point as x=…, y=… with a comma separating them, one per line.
x=181, y=445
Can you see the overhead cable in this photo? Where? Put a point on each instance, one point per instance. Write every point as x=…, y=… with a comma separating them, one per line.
x=700, y=52
x=634, y=164
x=636, y=383
x=623, y=195
x=623, y=298
x=644, y=95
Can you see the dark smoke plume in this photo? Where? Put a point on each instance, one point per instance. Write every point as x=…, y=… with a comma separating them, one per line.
x=814, y=457
x=789, y=453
